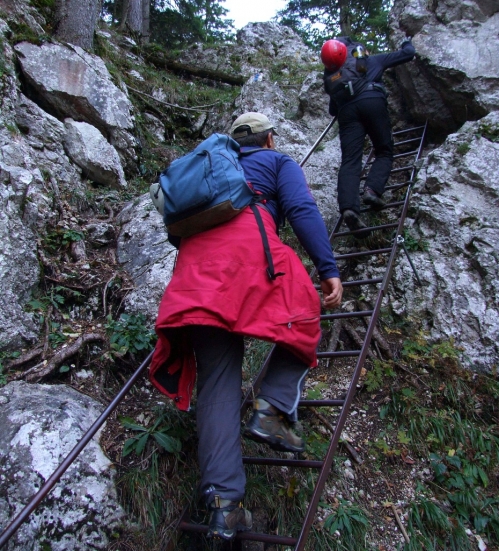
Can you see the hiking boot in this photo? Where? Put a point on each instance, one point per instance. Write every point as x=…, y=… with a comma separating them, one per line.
x=269, y=426
x=372, y=199
x=227, y=518
x=354, y=223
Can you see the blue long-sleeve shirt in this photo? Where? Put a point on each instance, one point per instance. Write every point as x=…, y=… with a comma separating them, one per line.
x=376, y=66
x=279, y=177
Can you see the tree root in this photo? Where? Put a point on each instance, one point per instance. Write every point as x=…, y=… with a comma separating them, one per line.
x=42, y=369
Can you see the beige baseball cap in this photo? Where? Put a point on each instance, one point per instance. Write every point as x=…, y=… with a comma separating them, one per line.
x=250, y=123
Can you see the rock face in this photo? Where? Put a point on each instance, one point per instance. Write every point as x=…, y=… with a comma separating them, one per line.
x=455, y=79
x=41, y=425
x=88, y=148
x=456, y=214
x=146, y=254
x=74, y=84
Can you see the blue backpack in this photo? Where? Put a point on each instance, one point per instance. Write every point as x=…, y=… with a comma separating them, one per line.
x=205, y=188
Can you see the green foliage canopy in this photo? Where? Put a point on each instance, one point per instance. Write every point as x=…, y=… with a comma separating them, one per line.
x=178, y=23
x=318, y=20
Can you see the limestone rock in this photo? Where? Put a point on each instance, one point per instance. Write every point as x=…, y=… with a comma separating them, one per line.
x=41, y=425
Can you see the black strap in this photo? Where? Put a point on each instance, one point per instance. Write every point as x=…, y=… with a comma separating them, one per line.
x=266, y=247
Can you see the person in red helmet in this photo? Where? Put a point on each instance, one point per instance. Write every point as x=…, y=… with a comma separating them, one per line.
x=352, y=79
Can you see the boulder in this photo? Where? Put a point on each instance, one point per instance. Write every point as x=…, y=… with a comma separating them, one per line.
x=41, y=425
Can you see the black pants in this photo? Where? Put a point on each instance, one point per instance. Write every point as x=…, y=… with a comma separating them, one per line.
x=368, y=116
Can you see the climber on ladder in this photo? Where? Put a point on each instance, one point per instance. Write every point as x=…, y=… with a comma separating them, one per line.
x=352, y=79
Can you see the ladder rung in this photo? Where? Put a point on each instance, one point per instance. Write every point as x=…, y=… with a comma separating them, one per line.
x=282, y=462
x=253, y=536
x=397, y=156
x=320, y=403
x=381, y=227
x=407, y=130
x=362, y=282
x=398, y=186
x=407, y=167
x=362, y=253
x=406, y=154
x=387, y=206
x=339, y=354
x=346, y=315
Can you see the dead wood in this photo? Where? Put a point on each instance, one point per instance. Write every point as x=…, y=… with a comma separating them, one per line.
x=161, y=60
x=25, y=358
x=198, y=108
x=351, y=450
x=42, y=369
x=359, y=341
x=377, y=336
x=335, y=337
x=399, y=522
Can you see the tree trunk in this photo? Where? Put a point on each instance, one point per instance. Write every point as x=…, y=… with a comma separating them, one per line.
x=135, y=16
x=124, y=14
x=75, y=21
x=345, y=17
x=146, y=8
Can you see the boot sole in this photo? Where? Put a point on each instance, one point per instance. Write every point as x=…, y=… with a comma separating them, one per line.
x=355, y=224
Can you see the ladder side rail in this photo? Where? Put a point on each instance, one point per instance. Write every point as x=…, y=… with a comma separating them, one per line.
x=328, y=460
x=324, y=473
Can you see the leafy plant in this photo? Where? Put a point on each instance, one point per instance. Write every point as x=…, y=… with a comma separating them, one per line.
x=129, y=334
x=489, y=131
x=55, y=298
x=414, y=244
x=56, y=337
x=376, y=376
x=4, y=356
x=430, y=528
x=70, y=236
x=351, y=523
x=159, y=431
x=463, y=148
x=144, y=493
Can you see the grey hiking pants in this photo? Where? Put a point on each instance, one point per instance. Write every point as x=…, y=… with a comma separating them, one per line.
x=219, y=358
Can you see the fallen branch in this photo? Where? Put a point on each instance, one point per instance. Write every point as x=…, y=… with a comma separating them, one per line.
x=47, y=331
x=42, y=369
x=25, y=357
x=335, y=337
x=177, y=67
x=351, y=450
x=399, y=522
x=104, y=294
x=377, y=336
x=359, y=341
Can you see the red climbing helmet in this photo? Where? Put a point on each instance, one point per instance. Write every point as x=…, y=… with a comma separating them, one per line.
x=333, y=54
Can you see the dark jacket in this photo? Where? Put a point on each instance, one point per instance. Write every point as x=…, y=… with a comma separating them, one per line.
x=376, y=65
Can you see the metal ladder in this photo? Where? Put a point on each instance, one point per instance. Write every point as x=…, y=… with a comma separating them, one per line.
x=409, y=144
x=414, y=136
